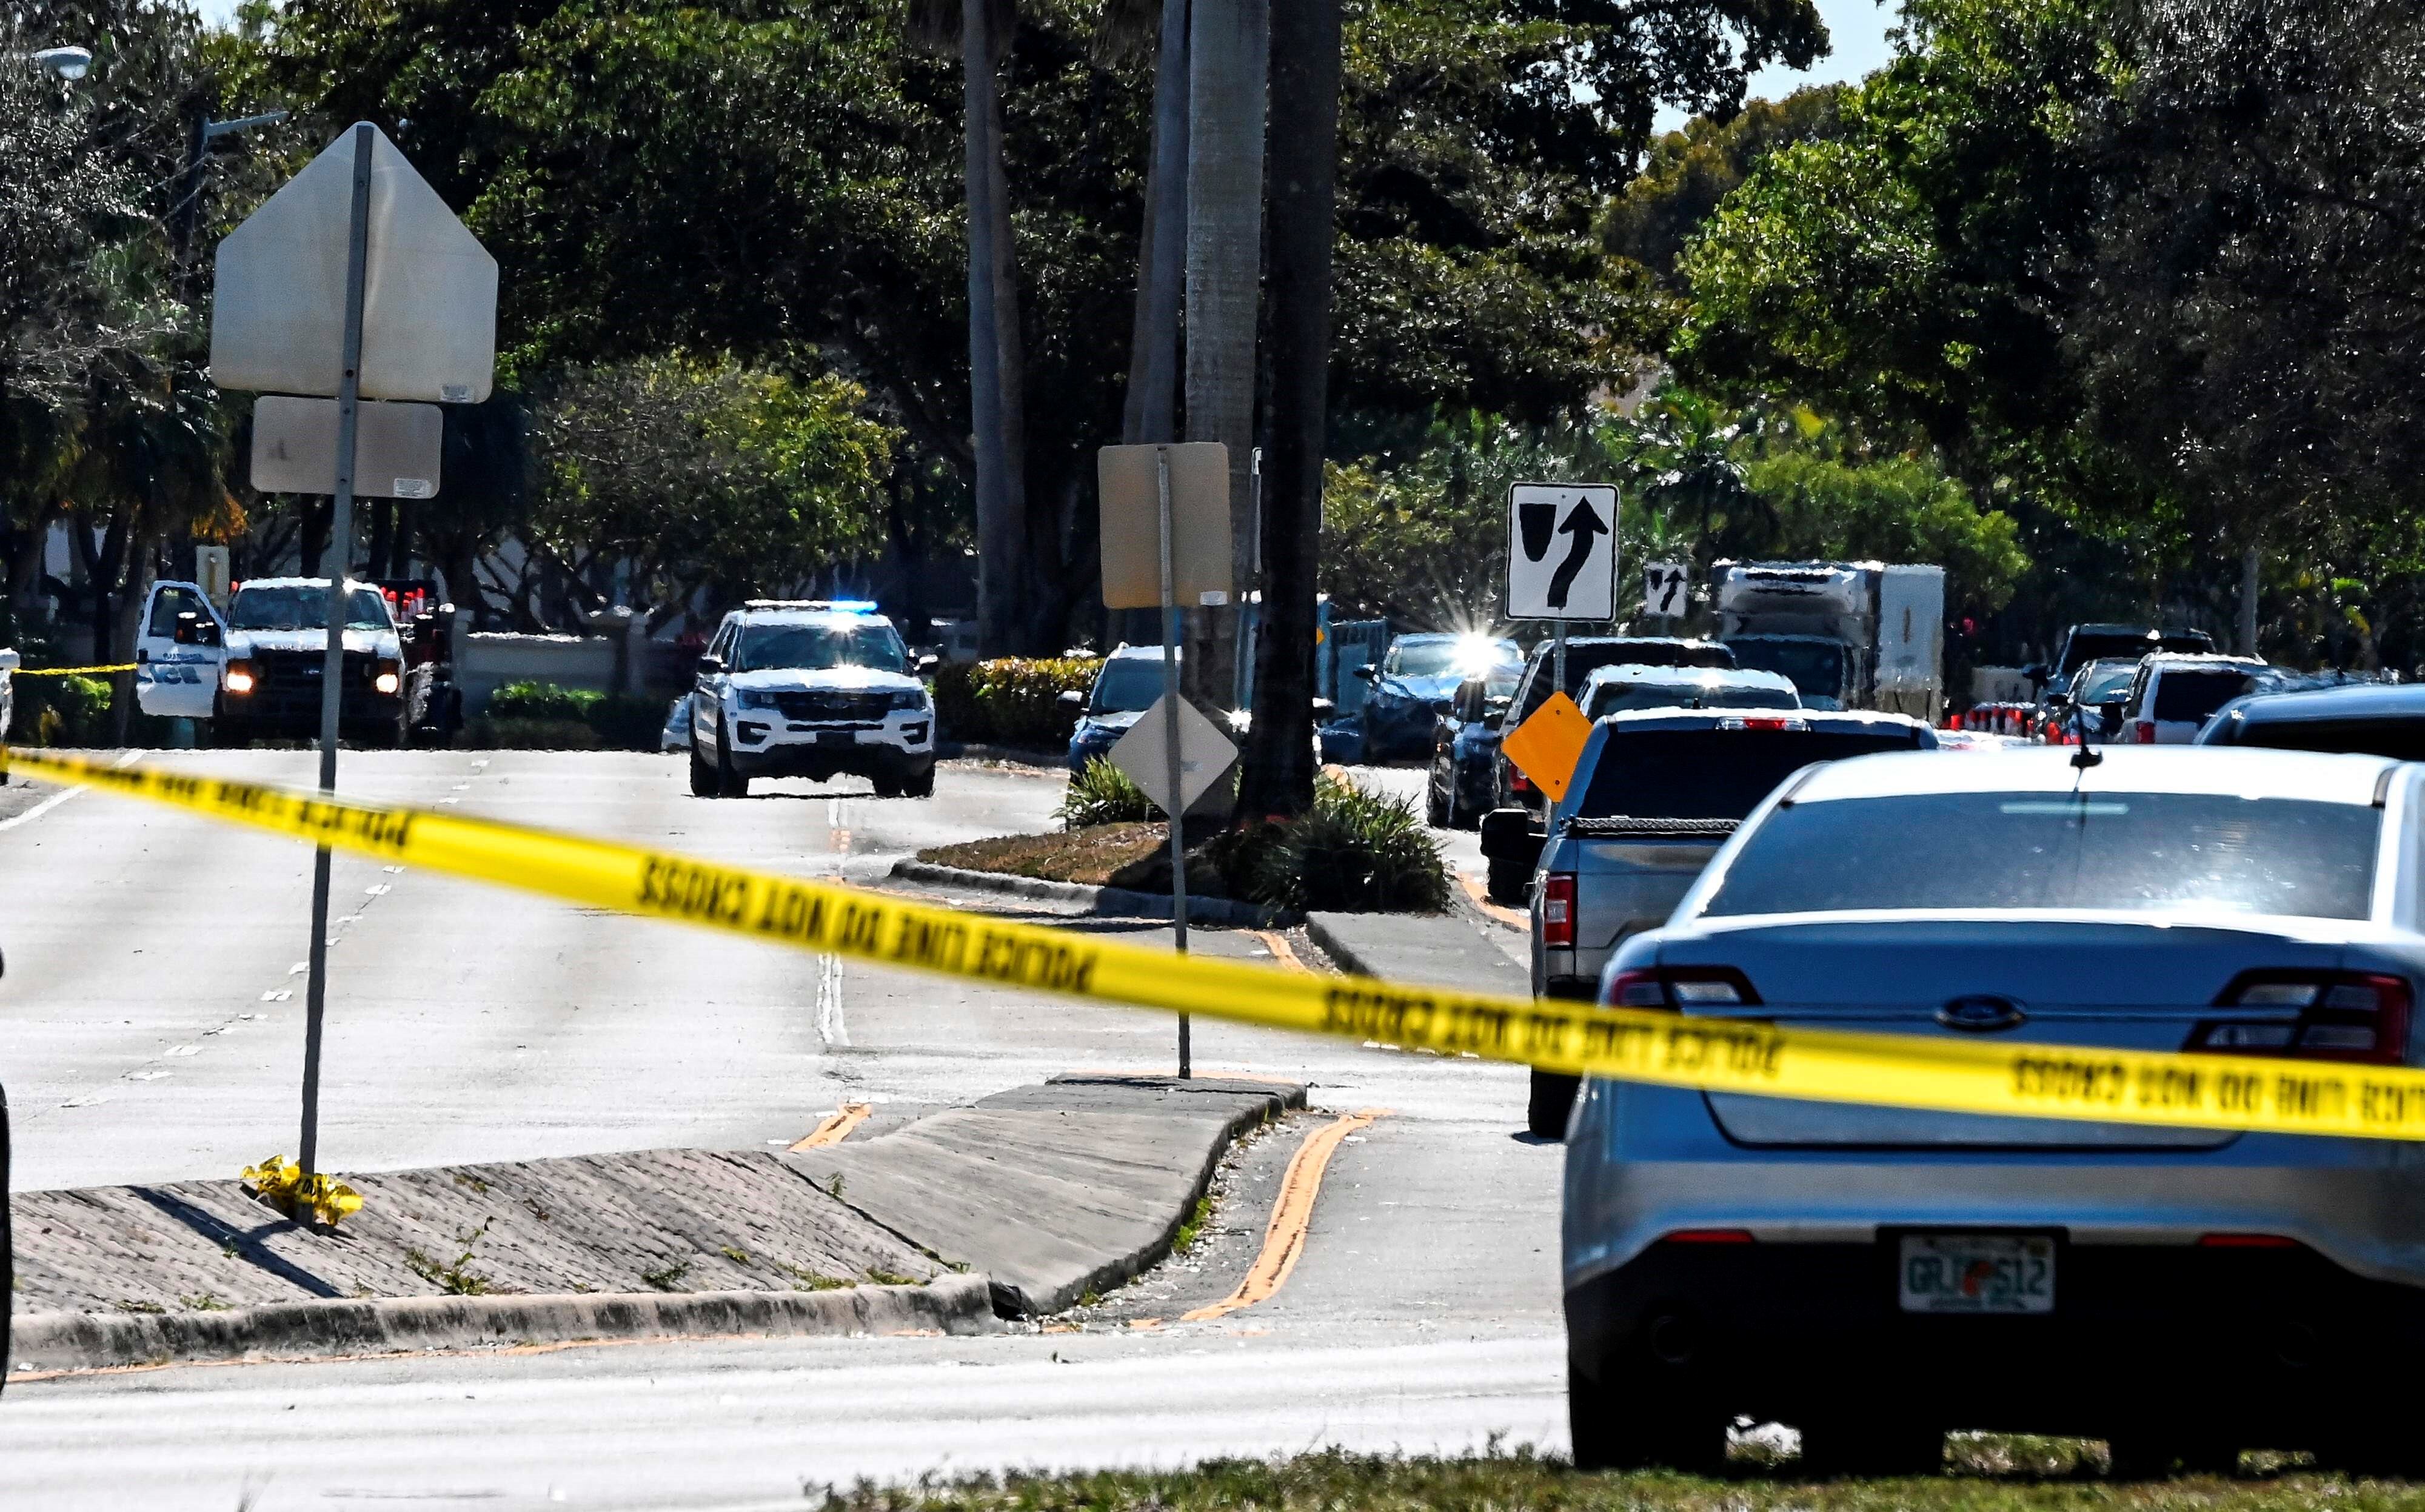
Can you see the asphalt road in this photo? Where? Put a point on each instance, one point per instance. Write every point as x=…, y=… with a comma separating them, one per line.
x=154, y=1032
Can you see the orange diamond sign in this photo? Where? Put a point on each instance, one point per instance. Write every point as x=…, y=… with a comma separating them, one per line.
x=1546, y=747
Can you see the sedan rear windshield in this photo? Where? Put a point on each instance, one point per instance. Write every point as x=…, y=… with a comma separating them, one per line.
x=1614, y=697
x=1710, y=774
x=2189, y=697
x=2136, y=852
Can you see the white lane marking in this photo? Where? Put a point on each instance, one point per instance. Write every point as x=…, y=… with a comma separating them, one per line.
x=298, y=968
x=148, y=1076
x=40, y=808
x=378, y=890
x=831, y=1026
x=281, y=995
x=185, y=1049
x=87, y=1101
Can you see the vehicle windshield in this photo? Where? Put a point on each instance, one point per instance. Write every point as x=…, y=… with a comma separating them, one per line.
x=819, y=648
x=304, y=607
x=2103, y=683
x=1712, y=773
x=1458, y=656
x=2136, y=852
x=1128, y=684
x=1611, y=697
x=1814, y=667
x=2402, y=739
x=2189, y=695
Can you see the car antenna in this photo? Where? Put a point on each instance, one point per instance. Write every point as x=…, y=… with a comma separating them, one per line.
x=2083, y=755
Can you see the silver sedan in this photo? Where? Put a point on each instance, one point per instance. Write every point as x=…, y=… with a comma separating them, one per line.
x=1876, y=1276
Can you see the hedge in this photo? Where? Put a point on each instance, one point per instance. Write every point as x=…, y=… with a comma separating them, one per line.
x=544, y=716
x=1015, y=701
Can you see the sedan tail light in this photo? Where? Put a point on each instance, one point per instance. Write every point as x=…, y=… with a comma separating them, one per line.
x=2326, y=1016
x=1558, y=910
x=1679, y=987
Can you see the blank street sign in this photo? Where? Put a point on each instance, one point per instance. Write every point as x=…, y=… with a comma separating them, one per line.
x=1204, y=755
x=1562, y=550
x=396, y=447
x=1130, y=480
x=429, y=291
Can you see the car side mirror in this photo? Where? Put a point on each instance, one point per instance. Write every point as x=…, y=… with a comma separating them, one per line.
x=709, y=665
x=1075, y=699
x=2058, y=702
x=1367, y=673
x=929, y=662
x=1323, y=711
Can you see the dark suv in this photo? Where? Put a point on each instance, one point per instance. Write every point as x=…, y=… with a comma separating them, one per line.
x=1585, y=656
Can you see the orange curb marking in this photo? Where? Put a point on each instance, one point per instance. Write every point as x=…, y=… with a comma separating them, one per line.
x=1291, y=1216
x=836, y=1128
x=1512, y=918
x=1282, y=950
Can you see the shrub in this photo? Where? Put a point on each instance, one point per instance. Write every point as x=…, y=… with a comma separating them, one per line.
x=542, y=701
x=1102, y=794
x=64, y=711
x=544, y=716
x=1356, y=852
x=1014, y=701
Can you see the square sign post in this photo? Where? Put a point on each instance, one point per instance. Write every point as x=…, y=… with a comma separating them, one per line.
x=1561, y=557
x=354, y=280
x=1177, y=496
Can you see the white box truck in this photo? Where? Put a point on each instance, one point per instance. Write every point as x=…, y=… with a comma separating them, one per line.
x=1848, y=634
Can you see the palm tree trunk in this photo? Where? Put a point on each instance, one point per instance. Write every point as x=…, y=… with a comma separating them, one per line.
x=1279, y=775
x=1229, y=58
x=1152, y=409
x=996, y=367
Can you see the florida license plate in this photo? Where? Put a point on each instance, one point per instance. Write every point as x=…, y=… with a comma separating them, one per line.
x=1976, y=1272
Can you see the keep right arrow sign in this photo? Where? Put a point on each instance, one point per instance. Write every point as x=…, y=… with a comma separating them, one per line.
x=1562, y=551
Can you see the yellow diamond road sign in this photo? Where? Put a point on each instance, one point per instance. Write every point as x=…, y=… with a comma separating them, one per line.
x=1546, y=747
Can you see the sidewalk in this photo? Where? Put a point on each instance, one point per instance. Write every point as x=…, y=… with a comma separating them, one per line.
x=1437, y=949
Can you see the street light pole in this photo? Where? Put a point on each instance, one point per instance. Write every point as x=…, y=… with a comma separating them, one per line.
x=189, y=184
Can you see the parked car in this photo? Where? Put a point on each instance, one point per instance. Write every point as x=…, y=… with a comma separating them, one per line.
x=1461, y=784
x=1414, y=681
x=1585, y=656
x=1810, y=1262
x=810, y=688
x=1654, y=795
x=1628, y=687
x=1125, y=688
x=2173, y=694
x=2364, y=719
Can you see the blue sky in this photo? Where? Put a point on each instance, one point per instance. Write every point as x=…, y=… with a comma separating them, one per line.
x=1859, y=28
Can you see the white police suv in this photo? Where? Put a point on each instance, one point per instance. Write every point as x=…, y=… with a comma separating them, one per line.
x=812, y=689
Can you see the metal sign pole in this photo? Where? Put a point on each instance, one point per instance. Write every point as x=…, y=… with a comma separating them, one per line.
x=1558, y=662
x=1170, y=736
x=336, y=562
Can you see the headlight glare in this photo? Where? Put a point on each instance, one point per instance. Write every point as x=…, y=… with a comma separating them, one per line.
x=240, y=677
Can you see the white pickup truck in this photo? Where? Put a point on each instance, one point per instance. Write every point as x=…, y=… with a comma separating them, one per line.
x=256, y=669
x=1655, y=796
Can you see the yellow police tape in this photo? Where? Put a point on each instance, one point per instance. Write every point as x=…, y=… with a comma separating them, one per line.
x=1641, y=1045
x=72, y=672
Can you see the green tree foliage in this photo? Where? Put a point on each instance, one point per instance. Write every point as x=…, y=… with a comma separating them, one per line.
x=1894, y=509
x=707, y=477
x=1690, y=171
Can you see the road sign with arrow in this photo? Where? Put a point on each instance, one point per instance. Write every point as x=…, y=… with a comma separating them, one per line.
x=1562, y=551
x=1664, y=586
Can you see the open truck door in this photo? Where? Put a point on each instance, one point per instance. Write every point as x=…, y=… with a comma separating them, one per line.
x=180, y=653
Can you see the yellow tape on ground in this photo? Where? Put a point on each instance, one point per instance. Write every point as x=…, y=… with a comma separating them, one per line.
x=1956, y=1075
x=72, y=672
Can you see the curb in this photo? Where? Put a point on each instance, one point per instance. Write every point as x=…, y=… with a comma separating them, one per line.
x=1341, y=955
x=1117, y=901
x=326, y=1329
x=1122, y=1269
x=953, y=751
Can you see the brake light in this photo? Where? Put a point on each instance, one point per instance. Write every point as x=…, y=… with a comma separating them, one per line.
x=2339, y=1016
x=1691, y=987
x=1762, y=722
x=1558, y=910
x=1709, y=1237
x=2245, y=1241
x=2146, y=731
x=1519, y=783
